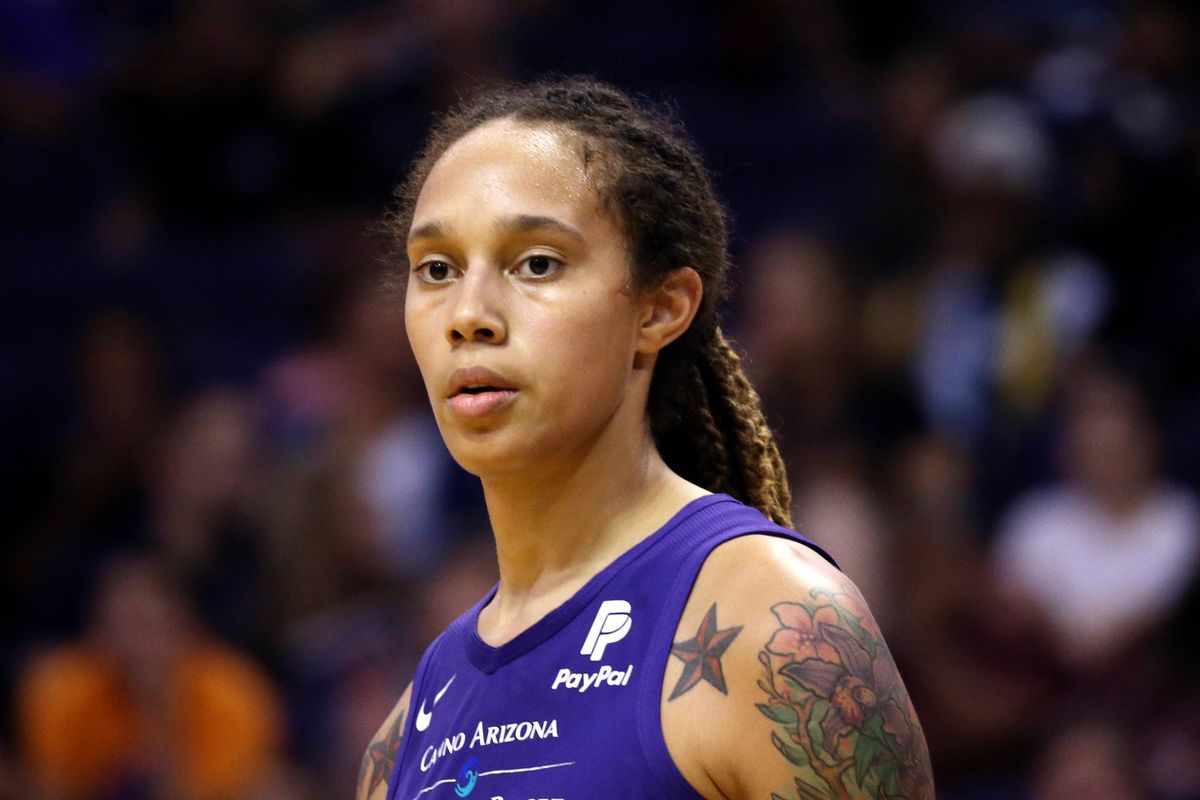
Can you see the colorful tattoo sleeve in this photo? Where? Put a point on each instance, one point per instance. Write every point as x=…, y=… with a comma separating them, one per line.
x=842, y=717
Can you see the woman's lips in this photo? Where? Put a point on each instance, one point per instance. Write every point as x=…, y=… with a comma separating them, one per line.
x=477, y=391
x=479, y=404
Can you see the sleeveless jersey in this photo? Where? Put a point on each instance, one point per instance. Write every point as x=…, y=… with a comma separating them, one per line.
x=569, y=708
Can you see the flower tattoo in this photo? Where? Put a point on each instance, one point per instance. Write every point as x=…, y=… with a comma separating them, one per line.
x=842, y=715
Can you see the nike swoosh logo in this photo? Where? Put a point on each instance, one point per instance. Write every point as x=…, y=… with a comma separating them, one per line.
x=425, y=717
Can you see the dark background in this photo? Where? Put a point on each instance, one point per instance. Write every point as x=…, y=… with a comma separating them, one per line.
x=969, y=292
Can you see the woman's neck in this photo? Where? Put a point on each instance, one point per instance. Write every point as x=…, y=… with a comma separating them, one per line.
x=556, y=530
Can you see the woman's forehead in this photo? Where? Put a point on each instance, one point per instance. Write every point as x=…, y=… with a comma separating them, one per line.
x=537, y=139
x=534, y=166
x=540, y=152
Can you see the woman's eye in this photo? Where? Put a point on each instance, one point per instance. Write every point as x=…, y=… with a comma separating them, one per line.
x=435, y=271
x=539, y=266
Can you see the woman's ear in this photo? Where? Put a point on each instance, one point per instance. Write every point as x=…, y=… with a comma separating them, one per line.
x=668, y=310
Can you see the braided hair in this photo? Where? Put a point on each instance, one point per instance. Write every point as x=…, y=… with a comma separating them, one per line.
x=706, y=419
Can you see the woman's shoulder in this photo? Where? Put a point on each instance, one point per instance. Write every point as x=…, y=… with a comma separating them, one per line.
x=761, y=581
x=775, y=552
x=774, y=643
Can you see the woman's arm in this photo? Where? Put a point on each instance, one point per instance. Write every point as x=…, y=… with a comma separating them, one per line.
x=780, y=685
x=380, y=758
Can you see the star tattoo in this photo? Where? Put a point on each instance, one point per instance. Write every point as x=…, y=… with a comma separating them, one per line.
x=381, y=757
x=701, y=656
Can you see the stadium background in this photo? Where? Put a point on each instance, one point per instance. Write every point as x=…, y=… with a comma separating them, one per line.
x=969, y=293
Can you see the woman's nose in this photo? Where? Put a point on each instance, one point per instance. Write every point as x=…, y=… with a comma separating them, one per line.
x=477, y=316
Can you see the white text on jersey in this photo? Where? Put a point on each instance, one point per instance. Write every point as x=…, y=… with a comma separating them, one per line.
x=486, y=735
x=584, y=681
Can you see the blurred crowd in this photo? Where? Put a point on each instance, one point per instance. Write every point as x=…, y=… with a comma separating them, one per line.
x=969, y=294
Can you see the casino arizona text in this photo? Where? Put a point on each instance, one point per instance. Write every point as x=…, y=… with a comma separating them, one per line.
x=486, y=735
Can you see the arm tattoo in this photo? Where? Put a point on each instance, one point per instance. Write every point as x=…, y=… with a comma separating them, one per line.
x=380, y=758
x=701, y=656
x=843, y=717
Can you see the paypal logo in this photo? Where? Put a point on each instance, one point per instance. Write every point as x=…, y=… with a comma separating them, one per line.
x=612, y=624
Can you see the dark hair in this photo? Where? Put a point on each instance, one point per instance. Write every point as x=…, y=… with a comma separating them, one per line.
x=705, y=417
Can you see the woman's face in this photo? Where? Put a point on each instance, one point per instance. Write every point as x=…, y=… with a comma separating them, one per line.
x=519, y=309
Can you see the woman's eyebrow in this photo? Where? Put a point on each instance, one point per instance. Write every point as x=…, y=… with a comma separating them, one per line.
x=430, y=230
x=524, y=223
x=518, y=223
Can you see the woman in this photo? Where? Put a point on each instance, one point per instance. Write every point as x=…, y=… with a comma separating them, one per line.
x=650, y=636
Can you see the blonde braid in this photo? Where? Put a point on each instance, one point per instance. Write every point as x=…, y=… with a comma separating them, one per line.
x=761, y=473
x=710, y=428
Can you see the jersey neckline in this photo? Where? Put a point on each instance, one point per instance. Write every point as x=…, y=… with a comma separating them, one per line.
x=489, y=659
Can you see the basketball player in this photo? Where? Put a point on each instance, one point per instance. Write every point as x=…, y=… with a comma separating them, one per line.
x=657, y=631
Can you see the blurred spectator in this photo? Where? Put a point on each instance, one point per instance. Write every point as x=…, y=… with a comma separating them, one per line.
x=1107, y=553
x=914, y=93
x=1093, y=759
x=208, y=514
x=1003, y=308
x=801, y=327
x=975, y=664
x=145, y=706
x=345, y=668
x=100, y=504
x=837, y=507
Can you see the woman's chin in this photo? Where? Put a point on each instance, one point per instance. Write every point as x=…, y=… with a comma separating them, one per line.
x=493, y=452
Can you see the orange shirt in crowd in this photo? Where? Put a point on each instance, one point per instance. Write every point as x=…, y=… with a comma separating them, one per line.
x=216, y=731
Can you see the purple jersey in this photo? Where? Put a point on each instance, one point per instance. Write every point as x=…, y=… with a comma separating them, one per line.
x=568, y=709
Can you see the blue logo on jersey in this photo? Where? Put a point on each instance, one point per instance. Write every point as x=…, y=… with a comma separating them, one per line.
x=467, y=777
